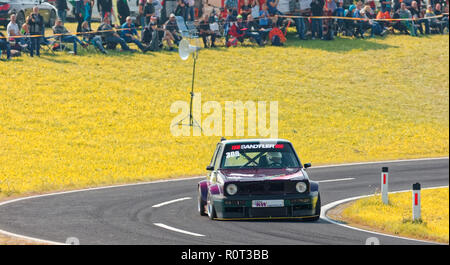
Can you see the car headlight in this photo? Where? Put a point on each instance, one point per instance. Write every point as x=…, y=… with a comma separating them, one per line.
x=301, y=187
x=232, y=189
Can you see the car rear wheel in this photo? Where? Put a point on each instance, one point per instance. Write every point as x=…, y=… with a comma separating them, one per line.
x=210, y=207
x=317, y=212
x=200, y=203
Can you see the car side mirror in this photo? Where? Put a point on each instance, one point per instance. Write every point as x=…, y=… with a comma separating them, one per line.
x=307, y=165
x=210, y=168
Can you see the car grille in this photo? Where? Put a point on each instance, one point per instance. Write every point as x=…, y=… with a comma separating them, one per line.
x=269, y=212
x=266, y=187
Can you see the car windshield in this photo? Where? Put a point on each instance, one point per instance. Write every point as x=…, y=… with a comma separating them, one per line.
x=258, y=155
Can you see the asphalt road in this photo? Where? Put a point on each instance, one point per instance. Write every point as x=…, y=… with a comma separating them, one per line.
x=124, y=215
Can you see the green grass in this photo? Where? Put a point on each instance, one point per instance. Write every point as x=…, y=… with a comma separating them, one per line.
x=75, y=121
x=396, y=217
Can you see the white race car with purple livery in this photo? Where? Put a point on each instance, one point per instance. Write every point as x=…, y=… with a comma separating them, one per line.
x=258, y=179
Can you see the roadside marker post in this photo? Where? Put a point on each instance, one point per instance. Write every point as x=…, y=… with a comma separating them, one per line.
x=384, y=184
x=416, y=202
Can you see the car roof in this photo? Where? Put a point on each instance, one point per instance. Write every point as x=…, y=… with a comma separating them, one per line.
x=260, y=140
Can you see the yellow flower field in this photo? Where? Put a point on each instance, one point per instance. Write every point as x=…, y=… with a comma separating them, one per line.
x=396, y=218
x=68, y=122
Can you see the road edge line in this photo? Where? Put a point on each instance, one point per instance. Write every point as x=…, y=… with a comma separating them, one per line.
x=331, y=205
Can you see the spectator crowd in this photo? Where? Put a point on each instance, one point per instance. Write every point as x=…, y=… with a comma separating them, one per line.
x=260, y=21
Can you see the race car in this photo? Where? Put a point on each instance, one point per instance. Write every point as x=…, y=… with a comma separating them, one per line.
x=258, y=179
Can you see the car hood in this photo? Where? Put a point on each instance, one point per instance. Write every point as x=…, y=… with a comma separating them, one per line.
x=262, y=174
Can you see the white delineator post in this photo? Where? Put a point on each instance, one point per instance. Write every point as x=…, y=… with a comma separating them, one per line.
x=416, y=202
x=384, y=184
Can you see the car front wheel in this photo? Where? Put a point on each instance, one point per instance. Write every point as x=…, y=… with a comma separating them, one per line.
x=210, y=207
x=317, y=212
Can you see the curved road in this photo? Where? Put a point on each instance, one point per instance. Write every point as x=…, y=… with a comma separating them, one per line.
x=124, y=215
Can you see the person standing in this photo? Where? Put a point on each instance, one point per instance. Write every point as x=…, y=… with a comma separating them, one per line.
x=105, y=8
x=36, y=28
x=190, y=9
x=316, y=23
x=87, y=11
x=123, y=10
x=141, y=5
x=78, y=12
x=149, y=11
x=62, y=8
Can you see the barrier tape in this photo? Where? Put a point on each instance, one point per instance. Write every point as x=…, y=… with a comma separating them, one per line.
x=63, y=34
x=285, y=16
x=364, y=19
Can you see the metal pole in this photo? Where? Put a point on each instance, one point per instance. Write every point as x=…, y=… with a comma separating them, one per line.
x=191, y=118
x=416, y=202
x=384, y=184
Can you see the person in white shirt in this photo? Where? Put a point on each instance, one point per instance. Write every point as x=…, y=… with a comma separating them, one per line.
x=14, y=33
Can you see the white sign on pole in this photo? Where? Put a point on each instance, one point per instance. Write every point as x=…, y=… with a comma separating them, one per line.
x=416, y=202
x=384, y=184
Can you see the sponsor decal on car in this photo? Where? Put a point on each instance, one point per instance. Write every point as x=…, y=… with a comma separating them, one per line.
x=267, y=203
x=257, y=146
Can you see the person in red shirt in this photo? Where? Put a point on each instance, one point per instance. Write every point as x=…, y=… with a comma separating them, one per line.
x=384, y=15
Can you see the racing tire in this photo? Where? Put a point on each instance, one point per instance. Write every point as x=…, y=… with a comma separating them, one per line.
x=210, y=207
x=200, y=203
x=317, y=212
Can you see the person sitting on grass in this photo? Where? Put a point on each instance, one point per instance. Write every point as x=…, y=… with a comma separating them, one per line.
x=384, y=15
x=172, y=27
x=4, y=45
x=368, y=14
x=65, y=35
x=444, y=19
x=14, y=34
x=433, y=21
x=254, y=32
x=247, y=32
x=153, y=33
x=111, y=37
x=205, y=32
x=418, y=18
x=129, y=32
x=265, y=24
x=276, y=35
x=91, y=37
x=398, y=25
x=405, y=13
x=360, y=28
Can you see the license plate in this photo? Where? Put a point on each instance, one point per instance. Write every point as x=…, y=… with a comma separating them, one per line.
x=268, y=203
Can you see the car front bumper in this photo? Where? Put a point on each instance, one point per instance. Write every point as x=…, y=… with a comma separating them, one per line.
x=240, y=207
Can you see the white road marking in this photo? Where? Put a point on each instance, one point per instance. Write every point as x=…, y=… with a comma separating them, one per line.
x=333, y=180
x=380, y=162
x=170, y=180
x=329, y=206
x=177, y=230
x=172, y=201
